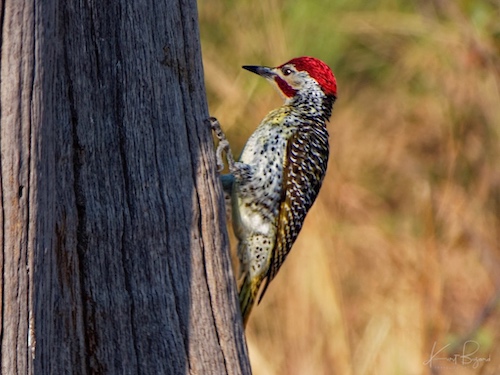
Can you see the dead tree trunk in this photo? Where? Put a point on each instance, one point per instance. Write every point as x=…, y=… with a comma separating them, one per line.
x=113, y=247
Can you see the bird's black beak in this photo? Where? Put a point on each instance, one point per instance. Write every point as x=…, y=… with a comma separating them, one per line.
x=262, y=71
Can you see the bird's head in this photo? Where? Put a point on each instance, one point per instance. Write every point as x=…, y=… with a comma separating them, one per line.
x=299, y=76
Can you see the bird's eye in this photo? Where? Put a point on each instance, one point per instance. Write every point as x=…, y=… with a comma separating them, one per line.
x=286, y=71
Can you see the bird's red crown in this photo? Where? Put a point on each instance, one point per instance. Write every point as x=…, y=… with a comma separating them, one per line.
x=318, y=70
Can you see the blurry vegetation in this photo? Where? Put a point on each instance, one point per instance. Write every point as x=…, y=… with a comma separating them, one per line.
x=402, y=248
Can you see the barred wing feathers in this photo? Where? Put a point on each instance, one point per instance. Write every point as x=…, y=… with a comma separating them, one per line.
x=304, y=169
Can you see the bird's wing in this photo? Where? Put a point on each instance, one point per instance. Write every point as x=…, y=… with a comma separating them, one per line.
x=304, y=169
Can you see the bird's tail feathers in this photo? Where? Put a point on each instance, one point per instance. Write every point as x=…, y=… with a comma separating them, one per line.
x=247, y=296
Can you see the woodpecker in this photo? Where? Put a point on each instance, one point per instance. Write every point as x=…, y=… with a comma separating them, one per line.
x=280, y=171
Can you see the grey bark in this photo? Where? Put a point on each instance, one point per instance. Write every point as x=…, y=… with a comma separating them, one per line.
x=114, y=253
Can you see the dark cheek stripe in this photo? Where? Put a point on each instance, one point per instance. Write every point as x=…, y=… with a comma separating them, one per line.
x=285, y=87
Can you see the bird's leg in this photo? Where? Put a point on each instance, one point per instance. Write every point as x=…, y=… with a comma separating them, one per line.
x=226, y=179
x=222, y=147
x=240, y=171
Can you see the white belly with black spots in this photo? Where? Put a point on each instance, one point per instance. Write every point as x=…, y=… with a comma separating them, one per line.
x=260, y=196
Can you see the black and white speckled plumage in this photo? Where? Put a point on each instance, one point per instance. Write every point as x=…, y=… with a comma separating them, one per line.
x=280, y=172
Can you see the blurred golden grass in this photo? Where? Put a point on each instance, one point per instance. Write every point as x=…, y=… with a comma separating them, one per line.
x=402, y=248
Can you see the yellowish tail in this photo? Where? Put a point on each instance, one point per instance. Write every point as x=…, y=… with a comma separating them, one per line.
x=248, y=294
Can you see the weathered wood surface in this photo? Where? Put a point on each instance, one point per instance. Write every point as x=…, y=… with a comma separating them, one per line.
x=113, y=246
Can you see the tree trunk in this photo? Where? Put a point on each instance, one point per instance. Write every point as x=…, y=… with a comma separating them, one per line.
x=114, y=253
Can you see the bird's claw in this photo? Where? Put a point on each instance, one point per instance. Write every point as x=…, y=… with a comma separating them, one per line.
x=215, y=126
x=223, y=144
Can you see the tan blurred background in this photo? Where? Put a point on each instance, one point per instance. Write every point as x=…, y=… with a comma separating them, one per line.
x=401, y=252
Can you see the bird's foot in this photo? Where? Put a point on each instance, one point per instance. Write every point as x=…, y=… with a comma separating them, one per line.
x=222, y=147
